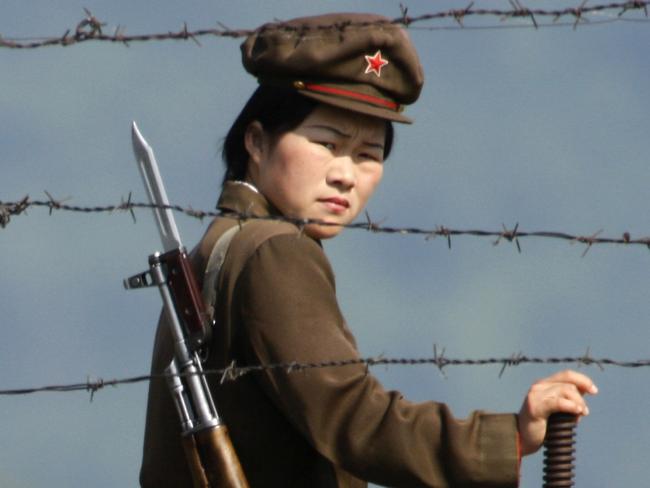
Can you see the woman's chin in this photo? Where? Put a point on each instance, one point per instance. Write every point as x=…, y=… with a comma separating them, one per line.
x=320, y=231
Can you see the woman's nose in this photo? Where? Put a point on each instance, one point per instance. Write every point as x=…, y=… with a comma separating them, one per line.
x=342, y=172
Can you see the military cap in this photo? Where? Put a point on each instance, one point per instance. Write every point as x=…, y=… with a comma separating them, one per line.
x=359, y=62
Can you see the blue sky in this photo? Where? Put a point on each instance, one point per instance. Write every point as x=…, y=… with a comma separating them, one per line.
x=547, y=128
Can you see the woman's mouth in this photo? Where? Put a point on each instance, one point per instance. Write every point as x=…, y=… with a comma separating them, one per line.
x=336, y=205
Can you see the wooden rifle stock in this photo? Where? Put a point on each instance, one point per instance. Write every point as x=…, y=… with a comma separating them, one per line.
x=212, y=459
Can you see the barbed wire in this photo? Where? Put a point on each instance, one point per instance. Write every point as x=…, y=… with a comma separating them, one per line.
x=603, y=20
x=439, y=360
x=9, y=209
x=90, y=28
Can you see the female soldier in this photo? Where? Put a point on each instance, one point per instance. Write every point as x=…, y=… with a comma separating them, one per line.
x=309, y=144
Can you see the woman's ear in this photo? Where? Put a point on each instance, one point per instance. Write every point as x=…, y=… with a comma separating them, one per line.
x=254, y=141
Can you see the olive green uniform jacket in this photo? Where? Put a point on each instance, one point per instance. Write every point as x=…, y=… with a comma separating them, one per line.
x=325, y=427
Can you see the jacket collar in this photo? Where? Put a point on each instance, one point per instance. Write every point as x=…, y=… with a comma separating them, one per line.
x=242, y=199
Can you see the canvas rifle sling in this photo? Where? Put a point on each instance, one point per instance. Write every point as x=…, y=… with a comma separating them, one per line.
x=211, y=275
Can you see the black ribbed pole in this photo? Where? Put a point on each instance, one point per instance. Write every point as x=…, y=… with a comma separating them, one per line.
x=559, y=450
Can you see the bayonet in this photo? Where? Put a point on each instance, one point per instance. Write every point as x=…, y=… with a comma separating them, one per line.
x=183, y=288
x=150, y=173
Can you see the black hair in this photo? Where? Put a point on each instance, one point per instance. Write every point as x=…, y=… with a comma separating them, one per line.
x=279, y=110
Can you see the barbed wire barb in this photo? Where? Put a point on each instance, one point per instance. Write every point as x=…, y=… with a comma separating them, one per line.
x=509, y=236
x=89, y=27
x=514, y=360
x=459, y=15
x=446, y=232
x=578, y=14
x=190, y=35
x=439, y=360
x=53, y=203
x=293, y=366
x=126, y=205
x=588, y=360
x=7, y=210
x=93, y=386
x=406, y=20
x=634, y=4
x=373, y=226
x=198, y=214
x=589, y=241
x=229, y=373
x=521, y=11
x=373, y=361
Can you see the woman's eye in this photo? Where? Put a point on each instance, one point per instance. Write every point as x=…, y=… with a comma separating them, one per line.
x=371, y=157
x=328, y=145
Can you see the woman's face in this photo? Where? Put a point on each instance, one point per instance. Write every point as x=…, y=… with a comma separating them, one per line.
x=326, y=168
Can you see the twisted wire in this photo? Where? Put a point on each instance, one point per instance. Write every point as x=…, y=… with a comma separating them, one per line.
x=9, y=209
x=90, y=28
x=233, y=372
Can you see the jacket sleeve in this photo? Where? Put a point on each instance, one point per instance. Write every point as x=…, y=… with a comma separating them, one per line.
x=285, y=298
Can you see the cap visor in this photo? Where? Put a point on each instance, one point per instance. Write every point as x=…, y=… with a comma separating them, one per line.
x=356, y=106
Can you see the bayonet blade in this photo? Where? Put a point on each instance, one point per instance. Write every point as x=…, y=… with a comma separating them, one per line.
x=156, y=191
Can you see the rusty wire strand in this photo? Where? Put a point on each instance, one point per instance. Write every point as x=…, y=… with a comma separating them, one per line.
x=90, y=28
x=9, y=209
x=233, y=372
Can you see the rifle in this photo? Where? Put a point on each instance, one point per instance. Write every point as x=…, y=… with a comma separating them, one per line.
x=210, y=454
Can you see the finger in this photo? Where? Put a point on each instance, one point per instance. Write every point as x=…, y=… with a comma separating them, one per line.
x=581, y=381
x=568, y=405
x=564, y=397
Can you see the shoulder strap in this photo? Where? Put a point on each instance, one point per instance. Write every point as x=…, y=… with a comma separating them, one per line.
x=251, y=238
x=215, y=261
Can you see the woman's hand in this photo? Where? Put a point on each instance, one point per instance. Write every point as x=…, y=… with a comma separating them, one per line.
x=562, y=392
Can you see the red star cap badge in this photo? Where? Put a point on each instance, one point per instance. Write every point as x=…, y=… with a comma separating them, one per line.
x=375, y=63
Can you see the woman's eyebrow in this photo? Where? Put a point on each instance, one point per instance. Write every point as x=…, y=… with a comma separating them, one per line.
x=340, y=133
x=375, y=145
x=330, y=128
